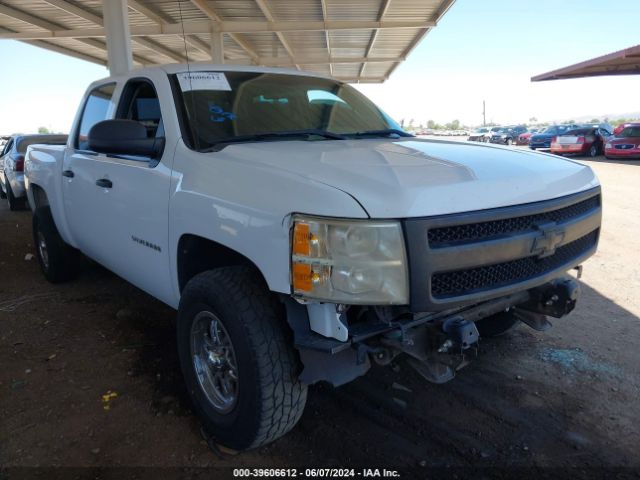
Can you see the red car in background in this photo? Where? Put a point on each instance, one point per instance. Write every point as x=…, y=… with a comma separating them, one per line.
x=626, y=144
x=523, y=138
x=588, y=141
x=621, y=127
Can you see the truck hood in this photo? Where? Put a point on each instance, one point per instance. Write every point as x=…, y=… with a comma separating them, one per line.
x=413, y=177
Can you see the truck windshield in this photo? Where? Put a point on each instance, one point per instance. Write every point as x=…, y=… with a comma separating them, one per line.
x=232, y=107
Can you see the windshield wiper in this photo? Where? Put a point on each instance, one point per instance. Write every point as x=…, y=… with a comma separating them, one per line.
x=389, y=132
x=258, y=137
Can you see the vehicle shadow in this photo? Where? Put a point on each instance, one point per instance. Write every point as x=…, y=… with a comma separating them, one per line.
x=555, y=399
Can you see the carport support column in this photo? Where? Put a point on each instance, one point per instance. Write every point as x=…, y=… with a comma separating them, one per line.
x=217, y=46
x=116, y=25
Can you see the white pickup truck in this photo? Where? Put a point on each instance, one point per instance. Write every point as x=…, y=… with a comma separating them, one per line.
x=301, y=234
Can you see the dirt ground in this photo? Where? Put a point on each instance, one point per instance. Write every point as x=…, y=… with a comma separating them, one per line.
x=568, y=397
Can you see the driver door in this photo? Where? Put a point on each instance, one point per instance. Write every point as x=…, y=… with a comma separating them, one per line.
x=126, y=200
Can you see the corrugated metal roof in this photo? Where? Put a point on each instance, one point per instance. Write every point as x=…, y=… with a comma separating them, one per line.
x=622, y=62
x=355, y=40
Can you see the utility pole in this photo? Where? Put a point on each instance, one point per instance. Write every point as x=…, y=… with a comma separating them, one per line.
x=484, y=115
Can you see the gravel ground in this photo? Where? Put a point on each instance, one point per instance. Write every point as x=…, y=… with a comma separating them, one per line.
x=564, y=398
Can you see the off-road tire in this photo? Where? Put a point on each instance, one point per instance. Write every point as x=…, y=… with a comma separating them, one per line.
x=63, y=260
x=270, y=398
x=496, y=325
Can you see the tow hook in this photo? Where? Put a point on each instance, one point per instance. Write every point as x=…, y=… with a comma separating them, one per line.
x=555, y=299
x=462, y=334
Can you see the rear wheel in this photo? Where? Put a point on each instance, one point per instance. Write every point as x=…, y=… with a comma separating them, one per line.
x=2, y=194
x=509, y=141
x=58, y=261
x=14, y=203
x=497, y=324
x=593, y=151
x=237, y=358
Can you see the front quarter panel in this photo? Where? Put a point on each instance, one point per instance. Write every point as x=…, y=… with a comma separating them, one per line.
x=246, y=208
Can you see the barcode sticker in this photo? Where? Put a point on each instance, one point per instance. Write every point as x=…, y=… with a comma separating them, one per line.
x=203, y=81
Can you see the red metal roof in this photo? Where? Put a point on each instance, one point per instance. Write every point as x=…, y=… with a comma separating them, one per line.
x=623, y=62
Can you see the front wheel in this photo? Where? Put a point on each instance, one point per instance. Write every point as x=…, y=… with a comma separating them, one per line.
x=509, y=141
x=238, y=359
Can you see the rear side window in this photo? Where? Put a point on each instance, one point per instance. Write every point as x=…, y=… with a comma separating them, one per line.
x=95, y=110
x=139, y=102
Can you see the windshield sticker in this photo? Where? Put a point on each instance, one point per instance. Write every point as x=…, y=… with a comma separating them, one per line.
x=203, y=81
x=218, y=114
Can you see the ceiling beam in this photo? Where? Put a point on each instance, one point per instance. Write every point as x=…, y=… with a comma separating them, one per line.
x=325, y=17
x=75, y=10
x=361, y=79
x=161, y=49
x=317, y=60
x=61, y=50
x=204, y=7
x=161, y=19
x=199, y=27
x=51, y=27
x=266, y=11
x=145, y=42
x=374, y=35
x=444, y=8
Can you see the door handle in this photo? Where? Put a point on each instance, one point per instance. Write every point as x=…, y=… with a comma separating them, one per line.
x=104, y=183
x=68, y=173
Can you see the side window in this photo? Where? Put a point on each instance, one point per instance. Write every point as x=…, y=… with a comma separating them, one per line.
x=140, y=102
x=95, y=110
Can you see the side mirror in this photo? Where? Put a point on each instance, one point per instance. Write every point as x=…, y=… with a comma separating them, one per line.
x=123, y=137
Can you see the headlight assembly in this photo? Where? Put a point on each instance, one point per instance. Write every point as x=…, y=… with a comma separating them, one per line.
x=349, y=261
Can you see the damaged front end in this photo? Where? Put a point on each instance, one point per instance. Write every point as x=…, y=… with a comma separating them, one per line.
x=437, y=344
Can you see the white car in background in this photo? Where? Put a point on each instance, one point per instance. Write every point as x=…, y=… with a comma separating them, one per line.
x=12, y=165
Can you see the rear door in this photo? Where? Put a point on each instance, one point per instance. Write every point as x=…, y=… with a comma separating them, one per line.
x=80, y=167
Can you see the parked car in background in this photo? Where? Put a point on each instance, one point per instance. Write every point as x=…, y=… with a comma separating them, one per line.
x=622, y=126
x=478, y=134
x=581, y=141
x=507, y=135
x=626, y=144
x=487, y=136
x=523, y=138
x=12, y=165
x=543, y=139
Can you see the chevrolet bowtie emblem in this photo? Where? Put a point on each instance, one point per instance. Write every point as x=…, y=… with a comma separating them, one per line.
x=550, y=237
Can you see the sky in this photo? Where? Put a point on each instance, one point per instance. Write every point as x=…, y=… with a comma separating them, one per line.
x=481, y=50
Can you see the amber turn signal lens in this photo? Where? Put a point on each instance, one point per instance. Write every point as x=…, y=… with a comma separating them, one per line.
x=302, y=277
x=301, y=239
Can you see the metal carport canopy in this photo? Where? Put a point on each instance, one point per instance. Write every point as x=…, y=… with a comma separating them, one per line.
x=352, y=40
x=623, y=62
